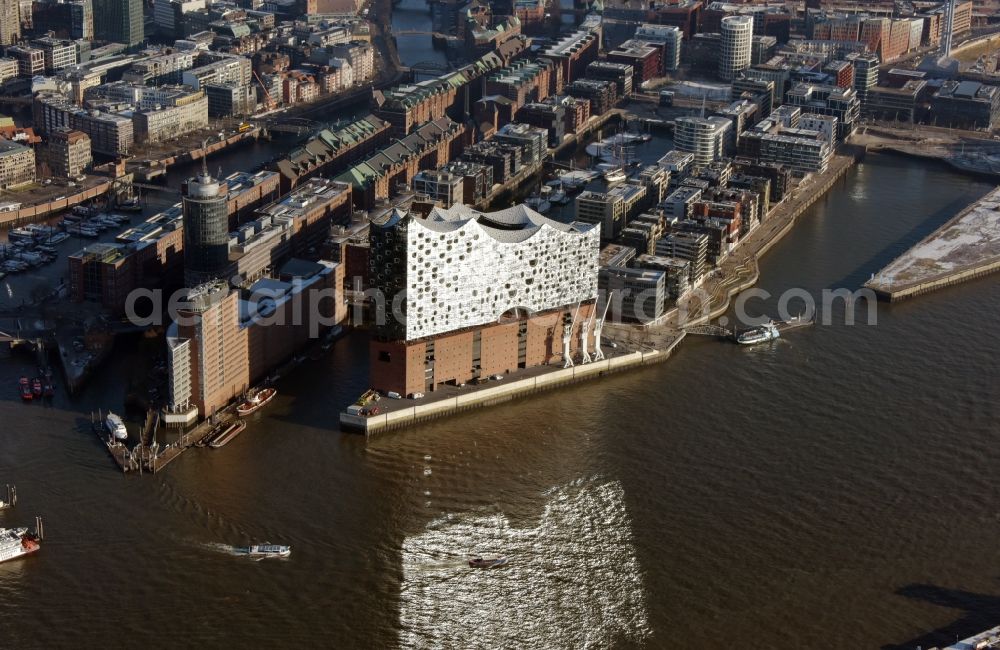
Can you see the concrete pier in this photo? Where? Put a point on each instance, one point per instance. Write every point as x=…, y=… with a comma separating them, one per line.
x=966, y=247
x=397, y=414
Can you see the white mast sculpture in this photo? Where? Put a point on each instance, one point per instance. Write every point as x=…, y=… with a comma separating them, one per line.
x=584, y=331
x=598, y=352
x=567, y=337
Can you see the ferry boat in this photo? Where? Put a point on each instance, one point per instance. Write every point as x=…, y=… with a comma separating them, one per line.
x=113, y=423
x=255, y=401
x=25, y=388
x=16, y=542
x=762, y=334
x=265, y=550
x=487, y=563
x=227, y=434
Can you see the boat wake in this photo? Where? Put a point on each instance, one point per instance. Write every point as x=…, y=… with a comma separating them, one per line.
x=572, y=581
x=218, y=547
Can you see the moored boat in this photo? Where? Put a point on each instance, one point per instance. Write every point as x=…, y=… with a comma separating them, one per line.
x=227, y=434
x=255, y=401
x=538, y=204
x=615, y=175
x=767, y=332
x=16, y=542
x=116, y=427
x=36, y=387
x=25, y=388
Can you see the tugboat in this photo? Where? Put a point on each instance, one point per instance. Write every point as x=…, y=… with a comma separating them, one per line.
x=25, y=389
x=762, y=334
x=36, y=387
x=255, y=401
x=49, y=389
x=265, y=550
x=486, y=563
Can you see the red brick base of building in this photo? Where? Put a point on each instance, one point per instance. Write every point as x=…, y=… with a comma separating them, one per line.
x=462, y=356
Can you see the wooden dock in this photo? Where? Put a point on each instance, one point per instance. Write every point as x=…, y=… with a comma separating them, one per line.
x=119, y=452
x=148, y=456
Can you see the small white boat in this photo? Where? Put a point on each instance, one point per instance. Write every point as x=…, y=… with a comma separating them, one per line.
x=265, y=550
x=116, y=427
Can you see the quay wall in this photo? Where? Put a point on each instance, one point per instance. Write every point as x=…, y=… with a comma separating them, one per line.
x=505, y=392
x=988, y=263
x=153, y=167
x=938, y=282
x=31, y=213
x=749, y=272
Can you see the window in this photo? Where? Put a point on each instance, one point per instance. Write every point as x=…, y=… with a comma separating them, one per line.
x=384, y=355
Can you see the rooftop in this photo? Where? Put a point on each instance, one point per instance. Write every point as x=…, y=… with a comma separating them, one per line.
x=512, y=225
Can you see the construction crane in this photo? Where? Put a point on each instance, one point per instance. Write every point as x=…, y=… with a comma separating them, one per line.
x=270, y=100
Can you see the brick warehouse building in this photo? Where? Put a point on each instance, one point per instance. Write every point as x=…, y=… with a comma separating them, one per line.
x=463, y=322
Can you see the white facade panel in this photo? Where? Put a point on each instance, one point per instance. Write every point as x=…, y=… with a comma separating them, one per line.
x=463, y=272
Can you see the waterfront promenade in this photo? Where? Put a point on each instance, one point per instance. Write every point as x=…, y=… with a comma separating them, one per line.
x=739, y=271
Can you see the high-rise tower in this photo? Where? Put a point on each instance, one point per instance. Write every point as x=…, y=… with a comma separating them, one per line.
x=737, y=44
x=206, y=229
x=119, y=21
